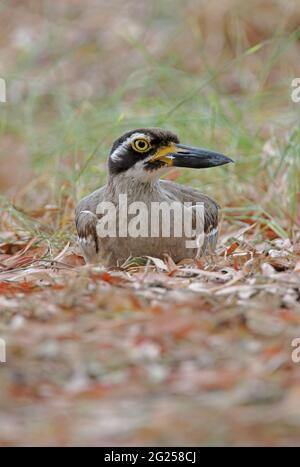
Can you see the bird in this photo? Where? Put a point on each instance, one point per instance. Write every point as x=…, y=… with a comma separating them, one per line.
x=137, y=161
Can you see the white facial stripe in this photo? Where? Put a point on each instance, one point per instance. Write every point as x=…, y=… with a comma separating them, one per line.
x=121, y=150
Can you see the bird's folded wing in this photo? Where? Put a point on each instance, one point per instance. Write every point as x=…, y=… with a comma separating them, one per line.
x=186, y=194
x=86, y=225
x=90, y=203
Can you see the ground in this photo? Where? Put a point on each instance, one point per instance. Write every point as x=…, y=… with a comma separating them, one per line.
x=153, y=353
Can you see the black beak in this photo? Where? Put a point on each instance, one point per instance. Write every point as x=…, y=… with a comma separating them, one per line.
x=197, y=158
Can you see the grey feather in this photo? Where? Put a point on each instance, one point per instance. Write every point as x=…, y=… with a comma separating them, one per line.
x=115, y=251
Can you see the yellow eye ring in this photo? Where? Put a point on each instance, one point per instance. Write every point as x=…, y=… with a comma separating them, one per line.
x=141, y=145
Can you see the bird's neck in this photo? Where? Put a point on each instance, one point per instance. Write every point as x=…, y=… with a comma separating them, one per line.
x=133, y=187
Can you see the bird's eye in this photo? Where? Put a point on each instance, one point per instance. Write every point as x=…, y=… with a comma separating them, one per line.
x=141, y=145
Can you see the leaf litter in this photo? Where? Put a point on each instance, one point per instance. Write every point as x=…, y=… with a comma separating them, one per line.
x=152, y=352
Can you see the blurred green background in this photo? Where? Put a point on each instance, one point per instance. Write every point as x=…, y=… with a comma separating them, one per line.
x=218, y=73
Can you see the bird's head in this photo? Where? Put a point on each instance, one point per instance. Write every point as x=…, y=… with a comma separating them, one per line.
x=146, y=153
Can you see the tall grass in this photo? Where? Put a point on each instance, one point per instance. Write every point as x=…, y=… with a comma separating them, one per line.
x=222, y=105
